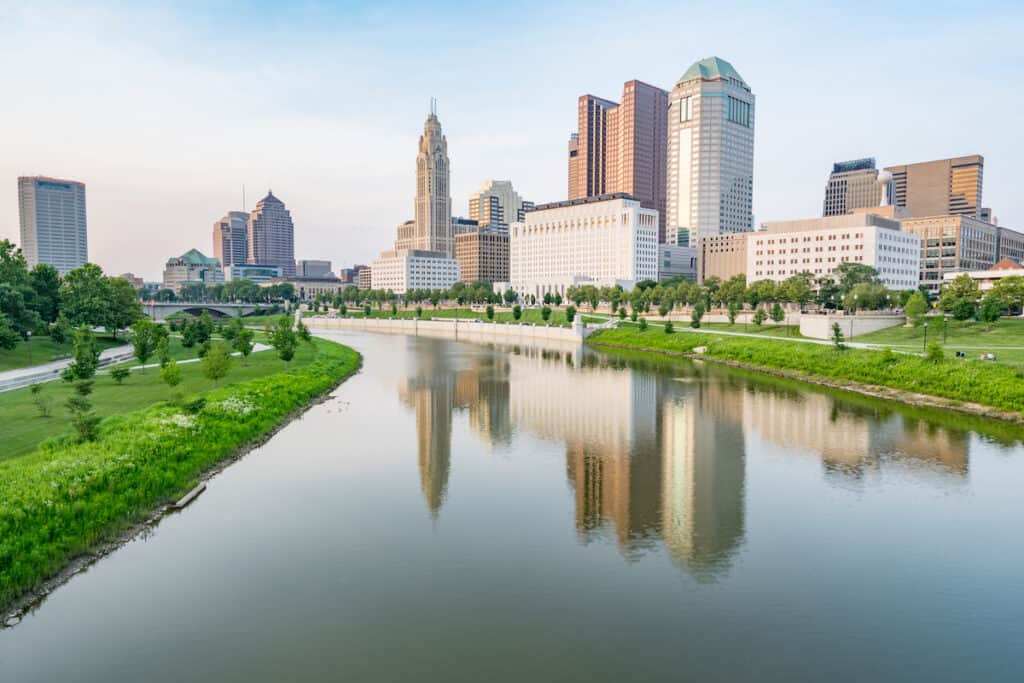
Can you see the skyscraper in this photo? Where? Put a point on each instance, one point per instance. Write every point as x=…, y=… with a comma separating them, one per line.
x=852, y=185
x=231, y=239
x=940, y=188
x=433, y=222
x=710, y=153
x=497, y=204
x=272, y=235
x=621, y=147
x=53, y=226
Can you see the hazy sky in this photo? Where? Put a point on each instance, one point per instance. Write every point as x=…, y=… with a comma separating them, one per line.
x=165, y=111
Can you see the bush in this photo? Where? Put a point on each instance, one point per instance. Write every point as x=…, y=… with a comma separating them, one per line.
x=545, y=313
x=668, y=327
x=517, y=312
x=120, y=374
x=759, y=317
x=934, y=354
x=643, y=323
x=570, y=314
x=963, y=309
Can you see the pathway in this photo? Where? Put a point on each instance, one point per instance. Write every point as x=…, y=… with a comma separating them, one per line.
x=23, y=377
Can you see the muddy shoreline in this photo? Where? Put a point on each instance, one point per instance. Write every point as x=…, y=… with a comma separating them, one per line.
x=872, y=390
x=12, y=615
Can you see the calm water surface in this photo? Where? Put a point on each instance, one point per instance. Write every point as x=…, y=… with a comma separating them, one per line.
x=465, y=513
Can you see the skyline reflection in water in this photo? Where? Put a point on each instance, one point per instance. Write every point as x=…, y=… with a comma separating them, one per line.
x=655, y=452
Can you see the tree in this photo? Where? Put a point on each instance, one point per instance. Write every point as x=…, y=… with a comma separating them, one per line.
x=622, y=313
x=1010, y=290
x=643, y=323
x=9, y=337
x=668, y=327
x=759, y=317
x=85, y=355
x=203, y=326
x=144, y=340
x=510, y=296
x=633, y=316
x=852, y=274
x=367, y=311
x=120, y=374
x=188, y=334
x=778, y=315
x=394, y=309
x=171, y=373
x=663, y=309
x=934, y=354
x=45, y=282
x=83, y=419
x=570, y=314
x=342, y=309
x=303, y=332
x=916, y=308
x=558, y=299
x=545, y=313
x=419, y=311
x=797, y=289
x=123, y=307
x=243, y=343
x=490, y=312
x=696, y=315
x=837, y=337
x=517, y=312
x=828, y=295
x=282, y=338
x=963, y=309
x=866, y=296
x=990, y=309
x=217, y=362
x=17, y=296
x=84, y=295
x=731, y=311
x=962, y=288
x=44, y=404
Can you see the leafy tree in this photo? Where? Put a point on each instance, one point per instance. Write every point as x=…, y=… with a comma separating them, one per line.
x=517, y=312
x=203, y=326
x=343, y=309
x=867, y=296
x=394, y=309
x=367, y=311
x=545, y=313
x=963, y=309
x=1011, y=291
x=510, y=296
x=759, y=317
x=144, y=340
x=761, y=291
x=120, y=374
x=9, y=336
x=84, y=294
x=734, y=290
x=123, y=307
x=45, y=282
x=828, y=295
x=44, y=404
x=163, y=351
x=85, y=356
x=990, y=309
x=282, y=337
x=935, y=354
x=204, y=348
x=797, y=289
x=302, y=332
x=668, y=327
x=419, y=311
x=778, y=315
x=490, y=312
x=622, y=313
x=643, y=323
x=171, y=374
x=243, y=343
x=852, y=274
x=217, y=362
x=731, y=311
x=696, y=315
x=916, y=308
x=558, y=299
x=837, y=337
x=84, y=421
x=570, y=314
x=663, y=310
x=14, y=307
x=962, y=288
x=633, y=316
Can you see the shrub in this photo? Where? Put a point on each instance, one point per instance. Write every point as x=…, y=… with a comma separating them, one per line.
x=517, y=312
x=696, y=315
x=668, y=327
x=545, y=313
x=44, y=404
x=120, y=374
x=643, y=323
x=837, y=337
x=170, y=373
x=570, y=314
x=963, y=309
x=759, y=317
x=217, y=362
x=633, y=316
x=490, y=312
x=934, y=354
x=732, y=311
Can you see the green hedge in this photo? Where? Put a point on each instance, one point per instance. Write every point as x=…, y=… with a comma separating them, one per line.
x=66, y=498
x=990, y=384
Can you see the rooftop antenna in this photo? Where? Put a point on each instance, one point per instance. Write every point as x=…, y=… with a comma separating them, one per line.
x=433, y=106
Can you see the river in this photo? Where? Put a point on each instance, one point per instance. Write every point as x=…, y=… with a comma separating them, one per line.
x=468, y=513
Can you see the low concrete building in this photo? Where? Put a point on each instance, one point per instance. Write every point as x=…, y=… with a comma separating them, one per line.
x=675, y=260
x=308, y=288
x=364, y=278
x=482, y=255
x=350, y=276
x=190, y=268
x=406, y=269
x=605, y=240
x=722, y=256
x=253, y=271
x=313, y=269
x=820, y=245
x=132, y=279
x=987, y=279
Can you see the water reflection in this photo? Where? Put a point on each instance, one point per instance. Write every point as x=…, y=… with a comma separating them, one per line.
x=656, y=452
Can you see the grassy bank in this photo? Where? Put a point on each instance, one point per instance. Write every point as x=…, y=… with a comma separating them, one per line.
x=989, y=384
x=24, y=429
x=66, y=498
x=1004, y=338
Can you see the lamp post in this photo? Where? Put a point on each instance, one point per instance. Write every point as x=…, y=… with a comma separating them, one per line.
x=924, y=343
x=944, y=327
x=28, y=341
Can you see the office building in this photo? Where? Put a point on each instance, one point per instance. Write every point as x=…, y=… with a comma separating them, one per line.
x=252, y=271
x=604, y=240
x=710, y=153
x=940, y=188
x=482, y=255
x=621, y=147
x=820, y=245
x=407, y=269
x=313, y=268
x=852, y=185
x=958, y=243
x=53, y=225
x=462, y=225
x=496, y=204
x=432, y=227
x=674, y=260
x=350, y=276
x=272, y=235
x=722, y=256
x=364, y=278
x=987, y=279
x=134, y=280
x=191, y=268
x=231, y=239
x=309, y=288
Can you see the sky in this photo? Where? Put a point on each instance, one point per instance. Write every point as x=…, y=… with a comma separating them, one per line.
x=167, y=110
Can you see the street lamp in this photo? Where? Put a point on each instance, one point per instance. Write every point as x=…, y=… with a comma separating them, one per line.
x=28, y=341
x=944, y=328
x=924, y=344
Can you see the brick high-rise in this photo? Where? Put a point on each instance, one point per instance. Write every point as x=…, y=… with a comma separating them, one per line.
x=622, y=147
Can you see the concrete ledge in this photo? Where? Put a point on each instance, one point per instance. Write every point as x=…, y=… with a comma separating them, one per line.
x=455, y=329
x=819, y=325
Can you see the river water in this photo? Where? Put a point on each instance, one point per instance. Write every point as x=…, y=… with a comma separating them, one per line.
x=469, y=513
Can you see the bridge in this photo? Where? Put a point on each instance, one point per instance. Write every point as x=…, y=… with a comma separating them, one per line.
x=161, y=310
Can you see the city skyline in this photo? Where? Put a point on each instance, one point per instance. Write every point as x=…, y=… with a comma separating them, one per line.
x=341, y=159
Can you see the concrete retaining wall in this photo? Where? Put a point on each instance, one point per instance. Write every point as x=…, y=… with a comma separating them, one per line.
x=819, y=326
x=455, y=329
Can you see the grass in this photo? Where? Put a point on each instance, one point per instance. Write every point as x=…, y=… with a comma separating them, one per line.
x=529, y=315
x=44, y=350
x=766, y=329
x=24, y=429
x=990, y=384
x=1004, y=338
x=65, y=497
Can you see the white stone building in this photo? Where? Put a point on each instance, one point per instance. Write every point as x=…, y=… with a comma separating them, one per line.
x=604, y=241
x=819, y=245
x=406, y=269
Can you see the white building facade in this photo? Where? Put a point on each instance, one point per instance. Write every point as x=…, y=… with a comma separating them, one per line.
x=604, y=241
x=53, y=224
x=819, y=245
x=408, y=269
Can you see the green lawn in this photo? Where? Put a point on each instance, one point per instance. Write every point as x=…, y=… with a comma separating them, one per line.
x=24, y=429
x=43, y=351
x=766, y=329
x=1004, y=338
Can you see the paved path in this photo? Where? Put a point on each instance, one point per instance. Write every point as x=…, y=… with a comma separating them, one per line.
x=23, y=377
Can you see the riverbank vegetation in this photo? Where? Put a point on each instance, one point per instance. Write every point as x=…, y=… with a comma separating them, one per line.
x=959, y=380
x=67, y=497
